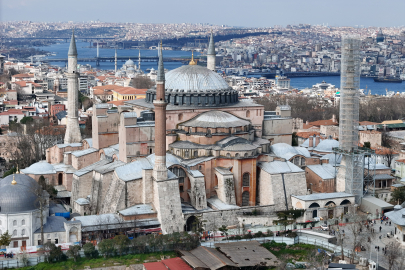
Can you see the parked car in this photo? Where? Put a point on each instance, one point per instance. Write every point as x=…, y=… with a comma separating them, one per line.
x=324, y=227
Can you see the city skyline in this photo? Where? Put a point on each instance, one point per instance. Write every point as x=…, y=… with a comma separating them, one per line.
x=233, y=13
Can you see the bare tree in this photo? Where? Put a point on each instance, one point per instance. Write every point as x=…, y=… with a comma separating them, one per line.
x=42, y=202
x=393, y=253
x=359, y=237
x=142, y=82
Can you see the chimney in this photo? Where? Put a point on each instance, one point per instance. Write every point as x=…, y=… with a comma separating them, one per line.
x=311, y=141
x=307, y=122
x=317, y=140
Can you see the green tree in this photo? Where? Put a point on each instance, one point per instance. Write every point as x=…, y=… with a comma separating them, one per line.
x=367, y=144
x=53, y=253
x=287, y=217
x=224, y=230
x=5, y=239
x=10, y=172
x=90, y=251
x=121, y=243
x=398, y=195
x=294, y=139
x=106, y=247
x=26, y=120
x=73, y=252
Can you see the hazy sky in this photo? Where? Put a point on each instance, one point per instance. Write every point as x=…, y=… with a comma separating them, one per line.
x=230, y=12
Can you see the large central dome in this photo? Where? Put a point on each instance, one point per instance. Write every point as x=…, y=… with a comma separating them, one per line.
x=194, y=78
x=194, y=85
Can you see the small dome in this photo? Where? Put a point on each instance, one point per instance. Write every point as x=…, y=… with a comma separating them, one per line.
x=41, y=167
x=216, y=119
x=19, y=197
x=129, y=63
x=397, y=207
x=327, y=145
x=131, y=68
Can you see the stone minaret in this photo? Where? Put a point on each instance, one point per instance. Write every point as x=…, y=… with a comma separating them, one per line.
x=166, y=195
x=72, y=134
x=115, y=60
x=211, y=54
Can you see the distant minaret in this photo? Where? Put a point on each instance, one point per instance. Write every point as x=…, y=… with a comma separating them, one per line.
x=160, y=169
x=115, y=60
x=211, y=54
x=139, y=60
x=72, y=134
x=98, y=50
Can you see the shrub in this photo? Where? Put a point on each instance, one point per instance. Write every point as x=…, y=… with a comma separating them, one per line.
x=90, y=251
x=259, y=234
x=121, y=243
x=107, y=248
x=73, y=252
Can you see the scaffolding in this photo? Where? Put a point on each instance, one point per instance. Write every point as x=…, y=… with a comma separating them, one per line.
x=356, y=172
x=350, y=177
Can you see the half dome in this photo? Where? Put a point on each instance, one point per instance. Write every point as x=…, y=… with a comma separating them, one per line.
x=216, y=119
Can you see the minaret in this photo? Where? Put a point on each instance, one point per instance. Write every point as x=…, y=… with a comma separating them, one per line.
x=211, y=54
x=139, y=60
x=72, y=134
x=115, y=60
x=160, y=169
x=166, y=195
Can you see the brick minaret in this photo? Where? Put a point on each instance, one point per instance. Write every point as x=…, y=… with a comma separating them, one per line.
x=72, y=134
x=160, y=169
x=166, y=195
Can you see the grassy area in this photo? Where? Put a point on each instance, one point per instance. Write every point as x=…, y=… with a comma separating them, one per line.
x=298, y=252
x=101, y=262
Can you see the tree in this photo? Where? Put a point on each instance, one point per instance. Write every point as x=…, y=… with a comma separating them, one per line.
x=224, y=230
x=393, y=253
x=142, y=82
x=106, y=247
x=287, y=217
x=26, y=120
x=42, y=202
x=90, y=251
x=294, y=139
x=121, y=243
x=398, y=195
x=367, y=145
x=358, y=234
x=53, y=253
x=5, y=239
x=73, y=252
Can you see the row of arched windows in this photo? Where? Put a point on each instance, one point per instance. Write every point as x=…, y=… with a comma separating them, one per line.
x=15, y=232
x=15, y=223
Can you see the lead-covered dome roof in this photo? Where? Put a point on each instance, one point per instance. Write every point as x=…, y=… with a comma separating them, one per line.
x=194, y=85
x=194, y=78
x=19, y=197
x=216, y=119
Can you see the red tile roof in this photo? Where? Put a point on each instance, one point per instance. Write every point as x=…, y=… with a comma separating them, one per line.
x=154, y=266
x=176, y=264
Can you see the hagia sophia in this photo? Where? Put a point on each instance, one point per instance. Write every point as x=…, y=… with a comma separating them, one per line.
x=191, y=149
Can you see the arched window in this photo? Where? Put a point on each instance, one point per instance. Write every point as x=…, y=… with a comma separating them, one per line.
x=23, y=232
x=237, y=155
x=246, y=180
x=228, y=155
x=208, y=131
x=14, y=222
x=246, y=155
x=180, y=116
x=296, y=161
x=245, y=198
x=247, y=113
x=190, y=130
x=195, y=154
x=23, y=222
x=15, y=233
x=186, y=154
x=302, y=161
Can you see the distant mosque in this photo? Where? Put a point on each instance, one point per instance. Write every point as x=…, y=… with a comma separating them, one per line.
x=129, y=69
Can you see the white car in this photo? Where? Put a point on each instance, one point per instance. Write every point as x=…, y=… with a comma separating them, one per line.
x=324, y=227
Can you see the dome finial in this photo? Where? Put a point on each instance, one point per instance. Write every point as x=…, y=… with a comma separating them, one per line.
x=192, y=62
x=18, y=170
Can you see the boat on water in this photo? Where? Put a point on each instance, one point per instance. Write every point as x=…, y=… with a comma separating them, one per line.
x=388, y=80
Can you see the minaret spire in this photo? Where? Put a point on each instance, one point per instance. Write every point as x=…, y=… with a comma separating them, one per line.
x=211, y=53
x=139, y=60
x=160, y=169
x=72, y=134
x=115, y=60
